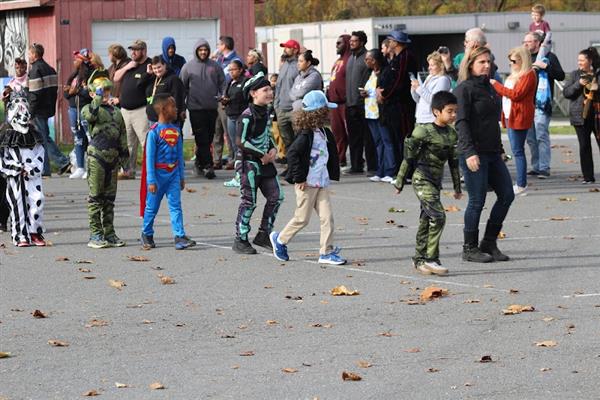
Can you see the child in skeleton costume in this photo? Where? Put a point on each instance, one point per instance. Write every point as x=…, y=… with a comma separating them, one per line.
x=256, y=154
x=106, y=151
x=428, y=149
x=163, y=173
x=21, y=162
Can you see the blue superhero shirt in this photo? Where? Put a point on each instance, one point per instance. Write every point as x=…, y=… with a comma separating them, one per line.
x=164, y=152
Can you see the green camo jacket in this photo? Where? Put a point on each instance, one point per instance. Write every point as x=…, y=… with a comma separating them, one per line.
x=426, y=151
x=107, y=131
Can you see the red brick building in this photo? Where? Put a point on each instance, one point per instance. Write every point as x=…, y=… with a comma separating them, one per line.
x=63, y=26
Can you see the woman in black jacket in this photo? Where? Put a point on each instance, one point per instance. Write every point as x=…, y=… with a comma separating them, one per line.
x=582, y=89
x=481, y=157
x=234, y=100
x=160, y=79
x=76, y=92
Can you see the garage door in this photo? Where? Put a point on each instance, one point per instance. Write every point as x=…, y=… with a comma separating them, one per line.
x=185, y=33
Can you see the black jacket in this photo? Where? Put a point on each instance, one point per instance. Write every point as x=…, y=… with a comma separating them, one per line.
x=43, y=89
x=574, y=92
x=171, y=84
x=477, y=119
x=237, y=101
x=298, y=157
x=82, y=96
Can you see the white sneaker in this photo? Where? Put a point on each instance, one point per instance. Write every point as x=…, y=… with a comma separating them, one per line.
x=519, y=191
x=435, y=268
x=78, y=174
x=375, y=179
x=393, y=182
x=84, y=176
x=387, y=179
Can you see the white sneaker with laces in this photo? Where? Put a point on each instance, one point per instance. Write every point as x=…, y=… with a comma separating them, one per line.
x=387, y=179
x=78, y=174
x=375, y=178
x=519, y=191
x=435, y=268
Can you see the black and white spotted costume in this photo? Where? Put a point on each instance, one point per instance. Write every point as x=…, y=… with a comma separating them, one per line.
x=21, y=162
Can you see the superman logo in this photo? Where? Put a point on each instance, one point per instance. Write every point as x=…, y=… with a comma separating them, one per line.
x=170, y=135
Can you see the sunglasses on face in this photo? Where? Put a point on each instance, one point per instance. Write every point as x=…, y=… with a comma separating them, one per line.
x=513, y=61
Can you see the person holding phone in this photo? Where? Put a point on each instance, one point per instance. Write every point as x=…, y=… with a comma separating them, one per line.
x=422, y=93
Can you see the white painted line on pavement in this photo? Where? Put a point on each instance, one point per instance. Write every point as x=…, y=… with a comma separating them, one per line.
x=582, y=295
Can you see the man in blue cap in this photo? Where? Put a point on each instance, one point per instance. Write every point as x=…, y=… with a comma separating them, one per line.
x=393, y=93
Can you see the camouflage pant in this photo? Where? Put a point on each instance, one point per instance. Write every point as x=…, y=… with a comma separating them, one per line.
x=102, y=181
x=431, y=221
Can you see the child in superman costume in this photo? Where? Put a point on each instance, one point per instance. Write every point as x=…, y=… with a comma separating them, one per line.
x=163, y=173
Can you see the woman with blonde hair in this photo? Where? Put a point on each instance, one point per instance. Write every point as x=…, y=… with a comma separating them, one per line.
x=435, y=82
x=518, y=93
x=480, y=149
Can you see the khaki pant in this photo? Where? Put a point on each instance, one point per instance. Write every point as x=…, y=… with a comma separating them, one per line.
x=278, y=140
x=136, y=124
x=219, y=138
x=306, y=200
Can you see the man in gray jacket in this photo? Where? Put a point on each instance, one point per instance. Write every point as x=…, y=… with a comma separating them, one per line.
x=359, y=136
x=204, y=83
x=283, y=102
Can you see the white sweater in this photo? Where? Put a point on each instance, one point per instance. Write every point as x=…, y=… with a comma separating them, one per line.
x=422, y=96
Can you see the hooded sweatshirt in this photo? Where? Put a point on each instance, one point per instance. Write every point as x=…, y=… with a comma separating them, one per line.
x=287, y=73
x=176, y=62
x=337, y=83
x=305, y=82
x=204, y=81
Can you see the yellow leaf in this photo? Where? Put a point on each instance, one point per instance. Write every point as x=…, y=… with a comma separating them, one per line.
x=350, y=376
x=343, y=291
x=546, y=343
x=156, y=386
x=57, y=343
x=517, y=309
x=290, y=370
x=116, y=283
x=432, y=292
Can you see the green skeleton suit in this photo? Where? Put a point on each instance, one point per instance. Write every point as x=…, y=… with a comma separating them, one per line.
x=106, y=152
x=428, y=149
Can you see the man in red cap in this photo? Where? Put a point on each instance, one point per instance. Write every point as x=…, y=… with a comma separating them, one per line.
x=283, y=102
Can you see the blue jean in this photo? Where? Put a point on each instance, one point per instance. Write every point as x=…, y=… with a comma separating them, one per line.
x=492, y=172
x=386, y=162
x=169, y=184
x=231, y=132
x=517, y=144
x=538, y=139
x=50, y=147
x=79, y=127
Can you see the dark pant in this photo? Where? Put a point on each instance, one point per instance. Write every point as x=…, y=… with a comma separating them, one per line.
x=359, y=139
x=492, y=172
x=52, y=152
x=585, y=147
x=203, y=128
x=385, y=149
x=4, y=210
x=338, y=127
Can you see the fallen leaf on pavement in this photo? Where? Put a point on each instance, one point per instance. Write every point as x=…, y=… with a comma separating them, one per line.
x=358, y=263
x=546, y=343
x=318, y=325
x=138, y=258
x=94, y=323
x=559, y=218
x=233, y=194
x=166, y=280
x=38, y=314
x=362, y=220
x=396, y=210
x=568, y=199
x=89, y=277
x=84, y=262
x=236, y=366
x=405, y=282
x=248, y=353
x=517, y=309
x=433, y=292
x=486, y=359
x=84, y=270
x=147, y=321
x=57, y=343
x=413, y=350
x=350, y=376
x=451, y=208
x=343, y=291
x=594, y=190
x=116, y=283
x=548, y=319
x=433, y=370
x=272, y=322
x=501, y=235
x=62, y=258
x=91, y=393
x=4, y=354
x=488, y=285
x=156, y=386
x=471, y=301
x=289, y=370
x=386, y=334
x=190, y=190
x=364, y=364
x=390, y=222
x=513, y=291
x=545, y=369
x=121, y=385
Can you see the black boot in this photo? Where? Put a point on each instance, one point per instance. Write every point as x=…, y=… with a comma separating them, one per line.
x=243, y=247
x=488, y=243
x=262, y=239
x=470, y=250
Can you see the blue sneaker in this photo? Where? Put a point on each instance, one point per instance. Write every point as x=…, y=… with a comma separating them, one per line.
x=332, y=258
x=279, y=250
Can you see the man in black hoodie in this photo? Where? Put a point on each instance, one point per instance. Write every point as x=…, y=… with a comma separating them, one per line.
x=43, y=91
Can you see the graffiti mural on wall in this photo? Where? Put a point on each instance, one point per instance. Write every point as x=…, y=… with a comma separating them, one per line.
x=13, y=40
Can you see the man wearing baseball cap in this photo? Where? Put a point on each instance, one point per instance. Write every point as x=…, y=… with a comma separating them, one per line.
x=132, y=101
x=283, y=102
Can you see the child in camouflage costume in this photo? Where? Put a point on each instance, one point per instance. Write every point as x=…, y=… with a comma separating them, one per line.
x=428, y=149
x=106, y=152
